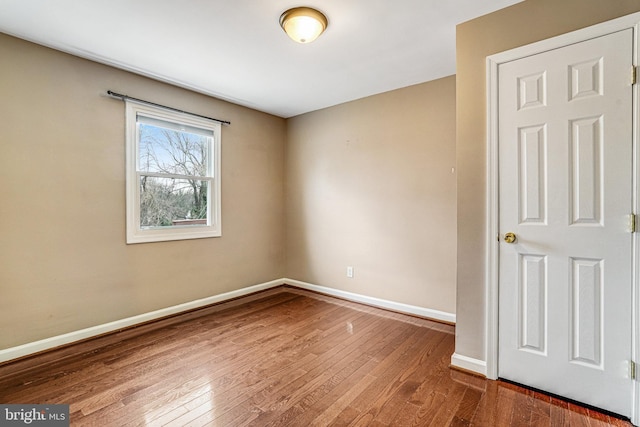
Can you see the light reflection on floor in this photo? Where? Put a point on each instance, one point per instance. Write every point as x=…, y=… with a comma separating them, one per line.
x=350, y=328
x=199, y=401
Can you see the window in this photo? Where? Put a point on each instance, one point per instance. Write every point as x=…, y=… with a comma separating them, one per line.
x=173, y=175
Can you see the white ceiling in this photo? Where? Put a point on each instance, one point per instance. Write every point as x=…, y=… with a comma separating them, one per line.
x=235, y=49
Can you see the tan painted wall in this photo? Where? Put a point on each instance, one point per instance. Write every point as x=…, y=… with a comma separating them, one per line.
x=369, y=184
x=518, y=25
x=64, y=264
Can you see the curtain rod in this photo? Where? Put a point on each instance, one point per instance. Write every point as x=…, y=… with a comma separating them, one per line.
x=123, y=97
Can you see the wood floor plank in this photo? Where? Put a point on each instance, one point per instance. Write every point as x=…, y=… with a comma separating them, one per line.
x=229, y=392
x=345, y=417
x=390, y=367
x=310, y=395
x=506, y=405
x=468, y=405
x=285, y=357
x=406, y=415
x=322, y=373
x=487, y=411
x=129, y=352
x=262, y=398
x=559, y=412
x=340, y=400
x=403, y=386
x=522, y=411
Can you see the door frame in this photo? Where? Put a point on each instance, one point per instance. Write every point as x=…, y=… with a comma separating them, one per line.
x=492, y=191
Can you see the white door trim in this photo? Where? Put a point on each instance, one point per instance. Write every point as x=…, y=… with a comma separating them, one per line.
x=491, y=197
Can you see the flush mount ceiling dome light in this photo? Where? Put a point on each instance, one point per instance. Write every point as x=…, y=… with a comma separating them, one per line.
x=303, y=24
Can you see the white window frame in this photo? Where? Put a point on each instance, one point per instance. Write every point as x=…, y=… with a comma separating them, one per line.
x=137, y=234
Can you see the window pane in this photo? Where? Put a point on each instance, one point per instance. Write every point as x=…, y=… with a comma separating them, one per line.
x=171, y=151
x=174, y=125
x=166, y=202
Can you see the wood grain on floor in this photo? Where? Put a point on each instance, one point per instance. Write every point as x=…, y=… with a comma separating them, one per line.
x=284, y=357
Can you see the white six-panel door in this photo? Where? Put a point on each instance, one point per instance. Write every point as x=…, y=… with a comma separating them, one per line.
x=565, y=191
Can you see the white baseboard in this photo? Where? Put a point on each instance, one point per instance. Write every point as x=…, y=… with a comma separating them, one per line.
x=71, y=337
x=59, y=340
x=376, y=302
x=469, y=364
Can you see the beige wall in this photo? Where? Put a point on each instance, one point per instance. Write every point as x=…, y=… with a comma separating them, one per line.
x=370, y=185
x=64, y=264
x=518, y=25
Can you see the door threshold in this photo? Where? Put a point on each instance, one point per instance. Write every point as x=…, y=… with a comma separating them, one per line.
x=565, y=399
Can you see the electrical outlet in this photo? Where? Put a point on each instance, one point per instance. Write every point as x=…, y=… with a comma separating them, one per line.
x=350, y=272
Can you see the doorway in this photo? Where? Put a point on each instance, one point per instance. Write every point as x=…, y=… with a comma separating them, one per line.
x=562, y=187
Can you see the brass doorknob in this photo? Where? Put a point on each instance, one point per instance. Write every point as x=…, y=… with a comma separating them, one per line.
x=510, y=237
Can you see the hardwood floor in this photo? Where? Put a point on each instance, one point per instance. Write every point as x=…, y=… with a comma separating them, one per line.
x=284, y=357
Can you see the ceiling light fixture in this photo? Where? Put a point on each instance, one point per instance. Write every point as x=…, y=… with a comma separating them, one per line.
x=303, y=24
